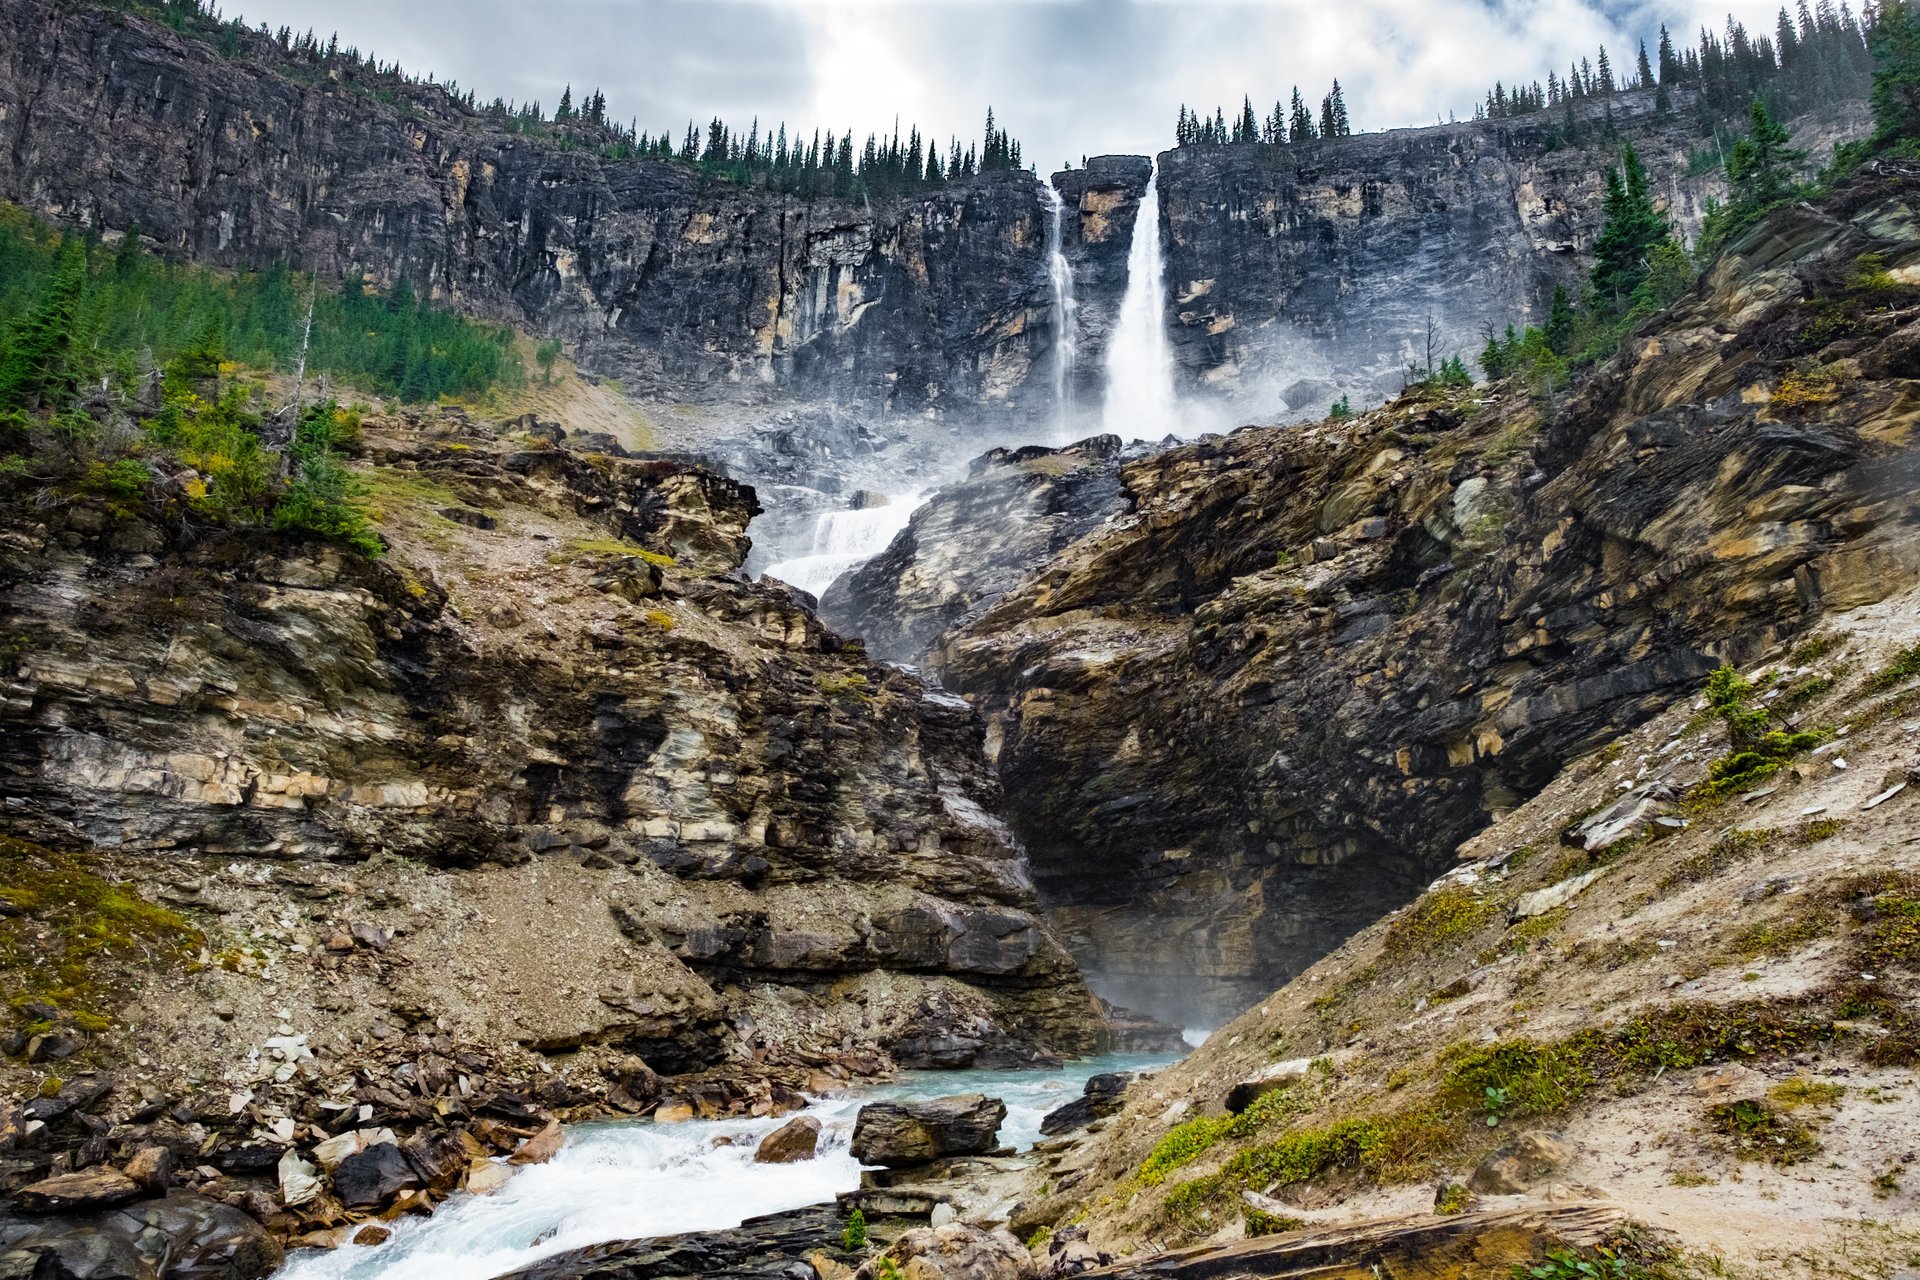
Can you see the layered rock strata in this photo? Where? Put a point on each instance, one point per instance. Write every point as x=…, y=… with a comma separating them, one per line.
x=1237, y=722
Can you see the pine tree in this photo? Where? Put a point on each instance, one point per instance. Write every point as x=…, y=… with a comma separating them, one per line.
x=1896, y=78
x=1643, y=69
x=1631, y=229
x=1560, y=323
x=1300, y=120
x=1338, y=101
x=37, y=357
x=1761, y=166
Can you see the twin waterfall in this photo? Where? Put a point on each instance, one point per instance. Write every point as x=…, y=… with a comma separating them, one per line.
x=1140, y=399
x=1140, y=402
x=1060, y=272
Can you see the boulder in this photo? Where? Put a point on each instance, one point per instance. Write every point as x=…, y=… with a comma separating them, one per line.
x=81, y=1192
x=151, y=1167
x=955, y=1251
x=1516, y=1167
x=368, y=1179
x=899, y=1134
x=541, y=1147
x=1103, y=1096
x=182, y=1237
x=1069, y=1253
x=796, y=1140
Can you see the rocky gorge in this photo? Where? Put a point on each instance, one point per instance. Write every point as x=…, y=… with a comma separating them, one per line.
x=349, y=889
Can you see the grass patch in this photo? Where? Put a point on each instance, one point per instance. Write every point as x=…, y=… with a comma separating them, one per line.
x=1191, y=1139
x=393, y=495
x=1804, y=1091
x=1513, y=1080
x=69, y=936
x=1904, y=667
x=1759, y=1132
x=853, y=688
x=1439, y=919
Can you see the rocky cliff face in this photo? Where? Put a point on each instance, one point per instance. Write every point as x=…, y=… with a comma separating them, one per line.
x=1244, y=718
x=592, y=791
x=684, y=288
x=1300, y=273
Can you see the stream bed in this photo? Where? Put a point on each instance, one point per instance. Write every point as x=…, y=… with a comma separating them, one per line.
x=626, y=1180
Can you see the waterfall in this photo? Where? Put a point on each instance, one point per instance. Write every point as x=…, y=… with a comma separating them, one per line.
x=1140, y=401
x=845, y=540
x=1064, y=309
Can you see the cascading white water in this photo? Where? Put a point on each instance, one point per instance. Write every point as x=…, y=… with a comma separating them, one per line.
x=634, y=1180
x=1065, y=310
x=1140, y=401
x=844, y=540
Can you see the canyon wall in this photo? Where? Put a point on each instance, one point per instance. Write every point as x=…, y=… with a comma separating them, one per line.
x=1261, y=703
x=1301, y=273
x=683, y=287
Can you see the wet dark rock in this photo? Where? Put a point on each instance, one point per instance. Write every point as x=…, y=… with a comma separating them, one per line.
x=770, y=1248
x=182, y=1237
x=1103, y=1096
x=370, y=1178
x=898, y=1134
x=974, y=541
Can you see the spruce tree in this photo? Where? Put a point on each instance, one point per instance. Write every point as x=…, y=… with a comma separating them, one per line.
x=1761, y=166
x=37, y=357
x=1560, y=323
x=1631, y=229
x=1300, y=122
x=1896, y=78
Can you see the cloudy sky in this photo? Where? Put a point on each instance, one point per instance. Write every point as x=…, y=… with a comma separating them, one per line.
x=1068, y=77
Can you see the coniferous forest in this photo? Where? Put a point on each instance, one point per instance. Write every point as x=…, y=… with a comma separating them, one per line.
x=1820, y=55
x=822, y=163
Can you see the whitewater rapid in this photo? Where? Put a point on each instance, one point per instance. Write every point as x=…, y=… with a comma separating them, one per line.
x=844, y=540
x=634, y=1179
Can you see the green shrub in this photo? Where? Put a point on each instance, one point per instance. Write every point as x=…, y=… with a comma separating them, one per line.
x=321, y=497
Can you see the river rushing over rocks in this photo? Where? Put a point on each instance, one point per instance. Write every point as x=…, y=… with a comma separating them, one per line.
x=639, y=1179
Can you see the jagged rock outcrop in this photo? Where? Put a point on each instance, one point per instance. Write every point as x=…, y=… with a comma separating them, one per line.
x=1238, y=722
x=1304, y=272
x=684, y=288
x=973, y=542
x=532, y=785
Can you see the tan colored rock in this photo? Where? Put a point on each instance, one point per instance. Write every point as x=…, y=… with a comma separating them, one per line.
x=675, y=1112
x=89, y=1189
x=792, y=1142
x=151, y=1167
x=1519, y=1165
x=957, y=1252
x=484, y=1177
x=541, y=1147
x=372, y=1235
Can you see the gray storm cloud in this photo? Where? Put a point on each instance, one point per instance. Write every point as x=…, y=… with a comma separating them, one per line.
x=1069, y=77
